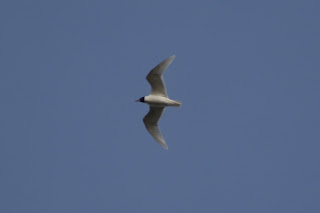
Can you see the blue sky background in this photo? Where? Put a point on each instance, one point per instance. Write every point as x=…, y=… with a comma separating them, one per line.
x=246, y=138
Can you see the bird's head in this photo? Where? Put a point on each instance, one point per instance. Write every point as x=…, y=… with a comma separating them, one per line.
x=140, y=100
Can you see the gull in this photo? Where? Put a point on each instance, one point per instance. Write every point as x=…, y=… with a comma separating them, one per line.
x=157, y=100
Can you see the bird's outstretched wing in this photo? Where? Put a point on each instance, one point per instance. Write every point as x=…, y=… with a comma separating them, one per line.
x=155, y=78
x=151, y=121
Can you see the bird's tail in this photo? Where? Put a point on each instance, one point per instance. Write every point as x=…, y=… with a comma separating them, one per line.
x=177, y=103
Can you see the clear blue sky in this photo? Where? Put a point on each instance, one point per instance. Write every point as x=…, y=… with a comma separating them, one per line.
x=246, y=139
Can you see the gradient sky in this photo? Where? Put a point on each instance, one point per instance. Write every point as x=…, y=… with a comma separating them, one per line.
x=247, y=136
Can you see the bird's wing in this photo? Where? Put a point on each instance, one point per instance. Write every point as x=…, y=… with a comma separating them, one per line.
x=151, y=121
x=155, y=77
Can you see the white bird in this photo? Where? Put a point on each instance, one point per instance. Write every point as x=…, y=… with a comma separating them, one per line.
x=157, y=100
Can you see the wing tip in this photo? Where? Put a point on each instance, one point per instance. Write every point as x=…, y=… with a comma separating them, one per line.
x=165, y=146
x=171, y=58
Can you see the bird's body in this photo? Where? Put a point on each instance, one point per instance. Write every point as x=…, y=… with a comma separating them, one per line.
x=157, y=100
x=160, y=101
